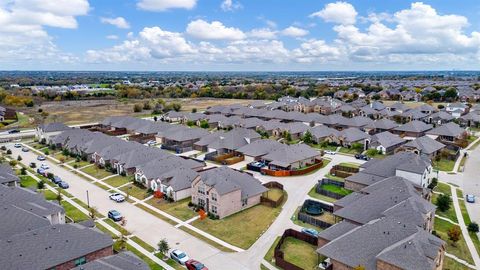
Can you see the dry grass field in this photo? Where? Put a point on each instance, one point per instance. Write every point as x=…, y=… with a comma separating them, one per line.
x=89, y=111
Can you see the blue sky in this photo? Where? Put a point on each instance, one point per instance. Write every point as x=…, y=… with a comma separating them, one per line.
x=239, y=35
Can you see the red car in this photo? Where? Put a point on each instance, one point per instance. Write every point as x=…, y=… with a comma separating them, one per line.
x=195, y=265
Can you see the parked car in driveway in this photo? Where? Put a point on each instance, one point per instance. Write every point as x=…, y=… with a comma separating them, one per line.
x=117, y=197
x=470, y=198
x=195, y=265
x=24, y=149
x=17, y=145
x=41, y=158
x=311, y=232
x=179, y=256
x=63, y=185
x=13, y=131
x=329, y=152
x=56, y=179
x=114, y=215
x=362, y=157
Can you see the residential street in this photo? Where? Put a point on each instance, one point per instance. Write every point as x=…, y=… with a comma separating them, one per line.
x=152, y=229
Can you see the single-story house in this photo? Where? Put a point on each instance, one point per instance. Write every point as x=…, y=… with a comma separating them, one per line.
x=291, y=157
x=46, y=132
x=424, y=146
x=386, y=142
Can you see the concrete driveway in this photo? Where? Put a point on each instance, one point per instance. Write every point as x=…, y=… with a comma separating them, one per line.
x=152, y=229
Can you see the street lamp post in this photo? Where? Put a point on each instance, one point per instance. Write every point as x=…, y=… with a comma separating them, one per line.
x=88, y=200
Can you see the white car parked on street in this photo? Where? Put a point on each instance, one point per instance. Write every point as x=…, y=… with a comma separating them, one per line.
x=117, y=197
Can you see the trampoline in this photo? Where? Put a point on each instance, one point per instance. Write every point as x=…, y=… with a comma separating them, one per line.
x=314, y=210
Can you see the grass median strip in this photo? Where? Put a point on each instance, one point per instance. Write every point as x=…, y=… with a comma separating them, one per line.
x=160, y=216
x=117, y=227
x=74, y=213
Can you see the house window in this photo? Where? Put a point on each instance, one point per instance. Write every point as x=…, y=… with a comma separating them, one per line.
x=201, y=190
x=201, y=203
x=80, y=261
x=245, y=202
x=214, y=209
x=214, y=197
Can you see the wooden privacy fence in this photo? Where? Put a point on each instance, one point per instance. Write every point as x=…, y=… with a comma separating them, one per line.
x=279, y=254
x=317, y=165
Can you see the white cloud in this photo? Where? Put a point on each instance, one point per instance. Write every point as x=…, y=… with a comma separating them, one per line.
x=264, y=33
x=162, y=5
x=230, y=5
x=338, y=12
x=112, y=37
x=119, y=22
x=22, y=32
x=213, y=31
x=317, y=51
x=293, y=31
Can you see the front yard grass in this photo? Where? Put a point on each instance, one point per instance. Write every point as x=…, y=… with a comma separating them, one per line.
x=351, y=151
x=324, y=147
x=79, y=164
x=206, y=240
x=118, y=180
x=300, y=253
x=312, y=193
x=159, y=216
x=49, y=195
x=59, y=156
x=451, y=264
x=96, y=172
x=445, y=165
x=443, y=188
x=27, y=181
x=73, y=213
x=450, y=213
x=241, y=229
x=178, y=209
x=135, y=191
x=458, y=249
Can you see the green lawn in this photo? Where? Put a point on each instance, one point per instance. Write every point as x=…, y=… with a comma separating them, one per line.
x=300, y=253
x=206, y=240
x=49, y=195
x=467, y=220
x=152, y=212
x=336, y=189
x=105, y=230
x=451, y=264
x=241, y=229
x=450, y=213
x=135, y=191
x=460, y=193
x=141, y=243
x=79, y=164
x=445, y=165
x=350, y=164
x=96, y=172
x=351, y=151
x=73, y=213
x=269, y=256
x=312, y=193
x=458, y=249
x=59, y=156
x=27, y=181
x=443, y=188
x=117, y=227
x=327, y=147
x=118, y=180
x=177, y=209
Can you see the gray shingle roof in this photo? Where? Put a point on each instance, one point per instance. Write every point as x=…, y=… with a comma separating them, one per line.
x=288, y=154
x=52, y=127
x=362, y=245
x=16, y=220
x=425, y=145
x=337, y=230
x=259, y=148
x=7, y=174
x=450, y=129
x=226, y=180
x=47, y=247
x=385, y=124
x=122, y=261
x=235, y=139
x=414, y=126
x=387, y=139
x=353, y=135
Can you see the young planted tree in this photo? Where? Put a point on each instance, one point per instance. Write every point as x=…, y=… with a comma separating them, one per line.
x=93, y=212
x=19, y=158
x=163, y=247
x=59, y=197
x=473, y=227
x=41, y=184
x=454, y=234
x=307, y=137
x=443, y=202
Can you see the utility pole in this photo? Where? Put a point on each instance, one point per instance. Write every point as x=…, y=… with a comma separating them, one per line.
x=88, y=200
